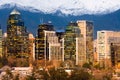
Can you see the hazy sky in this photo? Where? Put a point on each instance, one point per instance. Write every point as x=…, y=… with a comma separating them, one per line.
x=73, y=7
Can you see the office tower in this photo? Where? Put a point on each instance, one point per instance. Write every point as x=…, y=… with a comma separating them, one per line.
x=71, y=36
x=106, y=40
x=115, y=54
x=0, y=41
x=39, y=41
x=52, y=46
x=17, y=37
x=86, y=28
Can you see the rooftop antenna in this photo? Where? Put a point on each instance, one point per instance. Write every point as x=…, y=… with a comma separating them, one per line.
x=41, y=20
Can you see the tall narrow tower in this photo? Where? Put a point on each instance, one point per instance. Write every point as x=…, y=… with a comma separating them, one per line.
x=86, y=28
x=40, y=40
x=71, y=36
x=16, y=34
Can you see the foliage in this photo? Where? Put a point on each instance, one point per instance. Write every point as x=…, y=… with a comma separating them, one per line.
x=86, y=65
x=80, y=75
x=3, y=61
x=58, y=74
x=16, y=77
x=106, y=77
x=31, y=77
x=97, y=66
x=8, y=75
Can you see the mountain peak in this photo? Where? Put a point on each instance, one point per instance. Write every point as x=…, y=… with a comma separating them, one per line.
x=67, y=7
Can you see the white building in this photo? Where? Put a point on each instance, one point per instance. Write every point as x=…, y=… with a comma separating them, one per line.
x=86, y=28
x=52, y=45
x=104, y=40
x=22, y=70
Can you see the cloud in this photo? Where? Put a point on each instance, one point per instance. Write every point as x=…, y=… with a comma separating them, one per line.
x=67, y=7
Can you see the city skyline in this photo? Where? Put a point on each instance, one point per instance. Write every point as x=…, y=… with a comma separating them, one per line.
x=79, y=50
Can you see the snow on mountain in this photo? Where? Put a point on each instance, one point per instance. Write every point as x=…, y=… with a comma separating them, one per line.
x=66, y=7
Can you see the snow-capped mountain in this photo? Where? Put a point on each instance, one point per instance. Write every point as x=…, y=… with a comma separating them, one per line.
x=66, y=7
x=107, y=18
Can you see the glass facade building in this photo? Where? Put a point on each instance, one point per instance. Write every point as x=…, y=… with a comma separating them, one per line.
x=40, y=40
x=17, y=36
x=70, y=39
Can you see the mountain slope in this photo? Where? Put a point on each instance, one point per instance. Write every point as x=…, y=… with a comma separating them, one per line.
x=32, y=20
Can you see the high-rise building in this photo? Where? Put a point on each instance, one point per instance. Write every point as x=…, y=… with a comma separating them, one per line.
x=52, y=46
x=0, y=41
x=115, y=54
x=86, y=28
x=104, y=47
x=71, y=38
x=40, y=40
x=17, y=36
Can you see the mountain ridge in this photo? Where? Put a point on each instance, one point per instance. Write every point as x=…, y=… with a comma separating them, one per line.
x=32, y=20
x=66, y=7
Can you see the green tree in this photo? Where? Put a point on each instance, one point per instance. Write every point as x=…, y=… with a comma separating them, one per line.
x=80, y=75
x=58, y=74
x=86, y=65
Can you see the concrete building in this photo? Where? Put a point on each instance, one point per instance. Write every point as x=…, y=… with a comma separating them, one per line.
x=22, y=71
x=52, y=45
x=105, y=39
x=115, y=54
x=86, y=28
x=40, y=40
x=47, y=45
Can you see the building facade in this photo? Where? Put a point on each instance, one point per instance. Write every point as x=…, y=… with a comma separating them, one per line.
x=17, y=36
x=105, y=39
x=47, y=44
x=86, y=28
x=53, y=47
x=115, y=54
x=71, y=38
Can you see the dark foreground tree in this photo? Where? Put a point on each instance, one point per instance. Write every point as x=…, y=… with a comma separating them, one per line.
x=80, y=75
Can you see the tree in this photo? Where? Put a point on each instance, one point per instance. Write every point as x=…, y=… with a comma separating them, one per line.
x=80, y=75
x=58, y=74
x=86, y=65
x=8, y=75
x=16, y=77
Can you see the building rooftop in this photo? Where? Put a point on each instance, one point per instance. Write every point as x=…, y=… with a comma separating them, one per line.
x=15, y=12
